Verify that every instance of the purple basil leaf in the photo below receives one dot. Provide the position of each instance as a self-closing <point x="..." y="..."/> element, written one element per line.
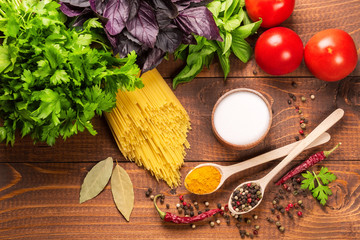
<point x="144" y="26"/>
<point x="125" y="44"/>
<point x="183" y="4"/>
<point x="78" y="3"/>
<point x="153" y="59"/>
<point x="83" y="17"/>
<point x="188" y="39"/>
<point x="117" y="11"/>
<point x="134" y="7"/>
<point x="169" y="39"/>
<point x="200" y="21"/>
<point x="162" y="19"/>
<point x="127" y="34"/>
<point x="167" y="7"/>
<point x="69" y="10"/>
<point x="98" y="6"/>
<point x="113" y="42"/>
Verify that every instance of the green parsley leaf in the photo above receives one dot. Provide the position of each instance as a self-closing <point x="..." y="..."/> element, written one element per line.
<point x="321" y="191"/>
<point x="325" y="176"/>
<point x="54" y="80"/>
<point x="308" y="182"/>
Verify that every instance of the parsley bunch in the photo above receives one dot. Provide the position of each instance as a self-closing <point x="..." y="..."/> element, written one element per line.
<point x="52" y="82"/>
<point x="321" y="192"/>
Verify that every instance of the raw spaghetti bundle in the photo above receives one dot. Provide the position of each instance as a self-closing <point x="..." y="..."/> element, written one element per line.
<point x="150" y="127"/>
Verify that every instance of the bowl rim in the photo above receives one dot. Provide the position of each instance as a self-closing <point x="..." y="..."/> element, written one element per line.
<point x="240" y="146"/>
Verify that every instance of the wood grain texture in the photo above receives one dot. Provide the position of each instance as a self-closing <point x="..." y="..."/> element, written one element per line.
<point x="198" y="98"/>
<point x="28" y="208"/>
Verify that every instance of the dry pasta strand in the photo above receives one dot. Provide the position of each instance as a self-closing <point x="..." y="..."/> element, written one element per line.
<point x="150" y="127"/>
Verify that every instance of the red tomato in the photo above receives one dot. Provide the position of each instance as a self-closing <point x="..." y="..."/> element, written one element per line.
<point x="331" y="55"/>
<point x="279" y="51"/>
<point x="272" y="12"/>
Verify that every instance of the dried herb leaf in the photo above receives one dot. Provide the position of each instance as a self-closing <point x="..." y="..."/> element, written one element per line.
<point x="122" y="191"/>
<point x="96" y="179"/>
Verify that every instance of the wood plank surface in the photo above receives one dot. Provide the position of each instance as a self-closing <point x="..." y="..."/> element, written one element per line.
<point x="198" y="98"/>
<point x="31" y="210"/>
<point x="39" y="185"/>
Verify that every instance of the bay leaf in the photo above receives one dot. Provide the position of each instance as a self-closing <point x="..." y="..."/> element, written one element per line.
<point x="122" y="191"/>
<point x="96" y="179"/>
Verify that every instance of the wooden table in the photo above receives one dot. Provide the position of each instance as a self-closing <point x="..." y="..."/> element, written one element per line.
<point x="39" y="185"/>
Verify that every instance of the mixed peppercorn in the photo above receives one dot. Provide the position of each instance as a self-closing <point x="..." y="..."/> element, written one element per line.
<point x="246" y="197"/>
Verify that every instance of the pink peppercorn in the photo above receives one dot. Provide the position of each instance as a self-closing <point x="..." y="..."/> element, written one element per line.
<point x="249" y="200"/>
<point x="287" y="209"/>
<point x="249" y="184"/>
<point x="301" y="132"/>
<point x="290" y="205"/>
<point x="181" y="197"/>
<point x="184" y="203"/>
<point x="299" y="213"/>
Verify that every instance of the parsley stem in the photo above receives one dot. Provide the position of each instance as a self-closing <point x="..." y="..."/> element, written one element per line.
<point x="317" y="179"/>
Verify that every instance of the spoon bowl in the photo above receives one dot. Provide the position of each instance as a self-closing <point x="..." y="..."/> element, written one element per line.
<point x="264" y="181"/>
<point x="227" y="171"/>
<point x="232" y="210"/>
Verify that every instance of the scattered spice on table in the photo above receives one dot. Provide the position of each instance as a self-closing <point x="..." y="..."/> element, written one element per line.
<point x="203" y="180"/>
<point x="312" y="160"/>
<point x="169" y="217"/>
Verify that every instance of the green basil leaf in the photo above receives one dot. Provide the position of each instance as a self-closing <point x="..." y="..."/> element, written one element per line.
<point x="246" y="20"/>
<point x="224" y="62"/>
<point x="241" y="15"/>
<point x="242" y="3"/>
<point x="181" y="52"/>
<point x="189" y="72"/>
<point x="214" y="7"/>
<point x="247" y="30"/>
<point x="229" y="8"/>
<point x="231" y="24"/>
<point x="227" y="41"/>
<point x="241" y="49"/>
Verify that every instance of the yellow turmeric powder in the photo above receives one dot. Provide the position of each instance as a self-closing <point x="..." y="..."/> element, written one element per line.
<point x="203" y="180"/>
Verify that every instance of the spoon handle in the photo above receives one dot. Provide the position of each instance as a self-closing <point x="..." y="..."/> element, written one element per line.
<point x="270" y="156"/>
<point x="321" y="128"/>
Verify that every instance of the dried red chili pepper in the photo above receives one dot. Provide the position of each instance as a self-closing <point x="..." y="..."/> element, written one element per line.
<point x="312" y="160"/>
<point x="169" y="217"/>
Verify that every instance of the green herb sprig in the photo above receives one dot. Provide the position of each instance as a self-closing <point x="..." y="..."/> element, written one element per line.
<point x="321" y="191"/>
<point x="52" y="81"/>
<point x="234" y="25"/>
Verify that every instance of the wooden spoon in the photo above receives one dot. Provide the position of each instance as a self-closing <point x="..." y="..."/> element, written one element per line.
<point x="263" y="182"/>
<point x="227" y="171"/>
